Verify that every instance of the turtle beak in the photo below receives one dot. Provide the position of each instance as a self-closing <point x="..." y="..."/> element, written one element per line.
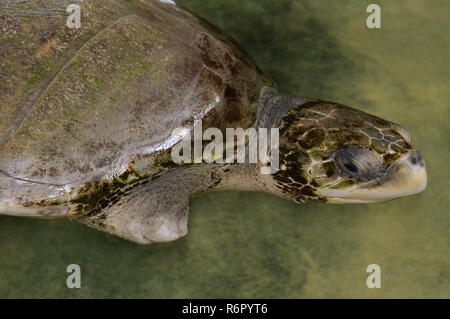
<point x="407" y="176"/>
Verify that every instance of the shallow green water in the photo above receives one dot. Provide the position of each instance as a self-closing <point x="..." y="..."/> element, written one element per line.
<point x="255" y="245"/>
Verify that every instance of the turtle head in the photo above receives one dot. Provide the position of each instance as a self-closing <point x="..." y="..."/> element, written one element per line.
<point x="334" y="153"/>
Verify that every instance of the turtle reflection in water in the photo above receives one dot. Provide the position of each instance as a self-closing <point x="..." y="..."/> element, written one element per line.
<point x="86" y="117"/>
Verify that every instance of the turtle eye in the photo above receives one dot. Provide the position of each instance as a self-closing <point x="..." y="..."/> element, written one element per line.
<point x="358" y="163"/>
<point x="351" y="167"/>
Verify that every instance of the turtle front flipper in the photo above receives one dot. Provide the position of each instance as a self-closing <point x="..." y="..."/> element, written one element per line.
<point x="155" y="209"/>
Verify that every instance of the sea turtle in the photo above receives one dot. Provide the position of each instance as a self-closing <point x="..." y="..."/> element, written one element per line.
<point x="87" y="116"/>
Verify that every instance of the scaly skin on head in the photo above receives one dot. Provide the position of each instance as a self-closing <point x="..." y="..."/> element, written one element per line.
<point x="330" y="152"/>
